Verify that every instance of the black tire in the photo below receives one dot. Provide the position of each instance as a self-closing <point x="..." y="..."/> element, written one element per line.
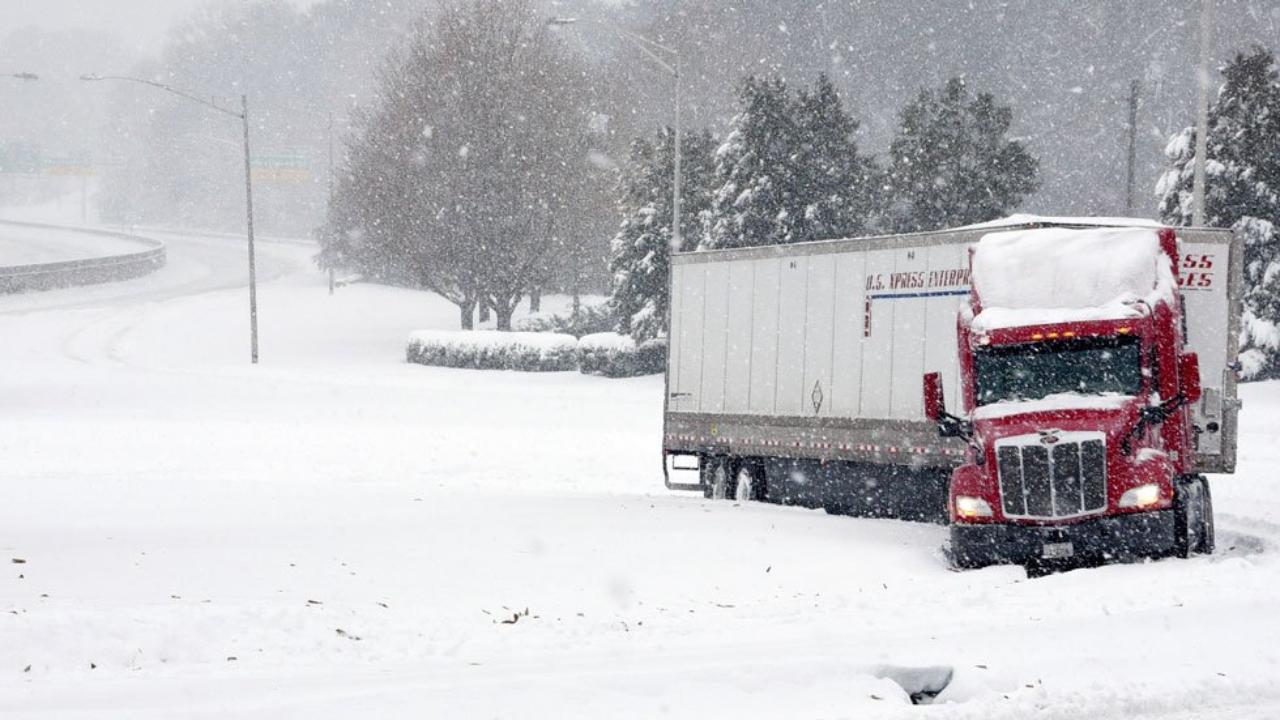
<point x="718" y="478"/>
<point x="1207" y="541"/>
<point x="1192" y="517"/>
<point x="749" y="483"/>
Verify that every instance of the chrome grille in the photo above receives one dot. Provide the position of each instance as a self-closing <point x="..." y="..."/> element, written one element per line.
<point x="1052" y="480"/>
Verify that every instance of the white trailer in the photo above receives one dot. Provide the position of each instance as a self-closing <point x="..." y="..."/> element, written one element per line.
<point x="815" y="352"/>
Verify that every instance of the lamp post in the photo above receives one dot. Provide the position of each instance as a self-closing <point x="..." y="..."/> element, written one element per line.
<point x="670" y="64"/>
<point x="1202" y="112"/>
<point x="243" y="115"/>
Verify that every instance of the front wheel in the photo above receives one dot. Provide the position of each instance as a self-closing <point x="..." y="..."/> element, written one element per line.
<point x="1192" y="517"/>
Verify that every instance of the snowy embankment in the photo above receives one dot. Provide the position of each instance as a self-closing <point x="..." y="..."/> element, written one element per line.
<point x="337" y="533"/>
<point x="41" y="258"/>
<point x="22" y="244"/>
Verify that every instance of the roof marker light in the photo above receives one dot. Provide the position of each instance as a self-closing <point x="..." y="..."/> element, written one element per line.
<point x="1037" y="336"/>
<point x="1123" y="330"/>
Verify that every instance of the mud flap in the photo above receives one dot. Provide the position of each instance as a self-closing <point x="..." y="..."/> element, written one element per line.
<point x="681" y="465"/>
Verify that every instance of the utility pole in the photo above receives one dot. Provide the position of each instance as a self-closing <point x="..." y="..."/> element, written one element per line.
<point x="1130" y="178"/>
<point x="1202" y="111"/>
<point x="253" y="268"/>
<point x="329" y="138"/>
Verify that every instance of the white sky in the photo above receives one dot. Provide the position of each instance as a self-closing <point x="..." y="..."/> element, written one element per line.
<point x="140" y="24"/>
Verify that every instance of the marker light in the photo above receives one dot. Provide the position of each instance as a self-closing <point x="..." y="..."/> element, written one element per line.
<point x="1123" y="330"/>
<point x="1141" y="496"/>
<point x="972" y="507"/>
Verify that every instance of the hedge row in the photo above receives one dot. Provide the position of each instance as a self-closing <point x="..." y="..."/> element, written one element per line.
<point x="493" y="350"/>
<point x="590" y="319"/>
<point x="606" y="354"/>
<point x="614" y="355"/>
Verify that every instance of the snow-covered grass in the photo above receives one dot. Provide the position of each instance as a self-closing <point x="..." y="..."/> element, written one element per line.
<point x="336" y="533"/>
<point x="493" y="350"/>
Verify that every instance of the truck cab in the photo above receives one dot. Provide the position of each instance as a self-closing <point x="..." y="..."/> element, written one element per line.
<point x="1076" y="388"/>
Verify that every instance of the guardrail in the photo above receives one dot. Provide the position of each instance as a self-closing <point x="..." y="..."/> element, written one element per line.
<point x="89" y="271"/>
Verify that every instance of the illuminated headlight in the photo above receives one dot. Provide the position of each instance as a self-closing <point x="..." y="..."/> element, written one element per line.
<point x="1141" y="496"/>
<point x="972" y="507"/>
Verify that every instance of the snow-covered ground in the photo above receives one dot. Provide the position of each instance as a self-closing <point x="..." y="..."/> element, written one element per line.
<point x="336" y="534"/>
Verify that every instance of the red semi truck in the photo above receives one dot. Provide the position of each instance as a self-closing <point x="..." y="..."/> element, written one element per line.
<point x="1094" y="362"/>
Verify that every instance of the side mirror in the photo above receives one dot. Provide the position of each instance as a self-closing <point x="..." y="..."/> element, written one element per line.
<point x="934" y="402"/>
<point x="1189" y="376"/>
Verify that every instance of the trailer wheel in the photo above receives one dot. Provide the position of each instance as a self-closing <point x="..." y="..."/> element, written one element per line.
<point x="718" y="484"/>
<point x="749" y="484"/>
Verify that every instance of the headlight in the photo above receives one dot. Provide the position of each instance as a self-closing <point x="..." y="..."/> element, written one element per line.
<point x="1141" y="496"/>
<point x="972" y="507"/>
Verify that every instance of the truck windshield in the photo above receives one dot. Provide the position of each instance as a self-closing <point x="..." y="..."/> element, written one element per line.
<point x="1032" y="371"/>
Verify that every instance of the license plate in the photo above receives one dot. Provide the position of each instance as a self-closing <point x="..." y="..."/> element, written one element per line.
<point x="1055" y="551"/>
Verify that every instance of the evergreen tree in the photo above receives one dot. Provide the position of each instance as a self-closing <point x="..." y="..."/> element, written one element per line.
<point x="789" y="170"/>
<point x="836" y="185"/>
<point x="640" y="260"/>
<point x="952" y="163"/>
<point x="1242" y="191"/>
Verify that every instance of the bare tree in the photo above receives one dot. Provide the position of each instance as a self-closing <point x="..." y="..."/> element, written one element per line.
<point x="459" y="174"/>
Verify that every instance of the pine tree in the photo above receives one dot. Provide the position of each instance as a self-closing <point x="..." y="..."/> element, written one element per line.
<point x="749" y="204"/>
<point x="1242" y="191"/>
<point x="640" y="259"/>
<point x="789" y="170"/>
<point x="952" y="163"/>
<point x="834" y="183"/>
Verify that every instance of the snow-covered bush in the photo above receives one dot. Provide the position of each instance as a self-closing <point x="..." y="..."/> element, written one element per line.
<point x="590" y="319"/>
<point x="613" y="355"/>
<point x="492" y="350"/>
<point x="608" y="354"/>
<point x="651" y="357"/>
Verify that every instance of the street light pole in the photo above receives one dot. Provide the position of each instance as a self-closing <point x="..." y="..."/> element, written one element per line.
<point x="677" y="232"/>
<point x="1202" y="113"/>
<point x="672" y="66"/>
<point x="243" y="115"/>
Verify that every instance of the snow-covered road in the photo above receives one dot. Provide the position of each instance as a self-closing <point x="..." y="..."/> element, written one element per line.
<point x="338" y="534"/>
<point x="28" y="245"/>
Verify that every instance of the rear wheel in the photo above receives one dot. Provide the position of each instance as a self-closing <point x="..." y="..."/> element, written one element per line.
<point x="749" y="484"/>
<point x="718" y="480"/>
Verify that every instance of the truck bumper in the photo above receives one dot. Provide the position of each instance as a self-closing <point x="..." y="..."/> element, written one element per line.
<point x="1111" y="537"/>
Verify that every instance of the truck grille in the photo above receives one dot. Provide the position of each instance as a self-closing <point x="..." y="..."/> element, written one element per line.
<point x="1058" y="480"/>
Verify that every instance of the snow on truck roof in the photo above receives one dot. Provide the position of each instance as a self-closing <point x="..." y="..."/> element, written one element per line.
<point x="1018" y="219"/>
<point x="1055" y="275"/>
